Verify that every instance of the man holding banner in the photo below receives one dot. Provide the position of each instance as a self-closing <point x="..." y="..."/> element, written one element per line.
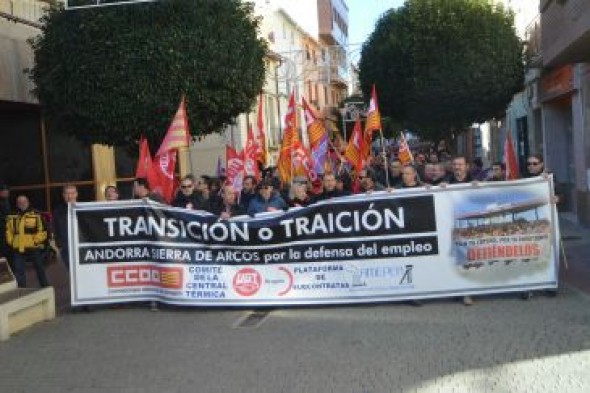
<point x="267" y="199"/>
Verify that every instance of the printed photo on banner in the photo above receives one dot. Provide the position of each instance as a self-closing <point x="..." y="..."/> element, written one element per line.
<point x="506" y="232"/>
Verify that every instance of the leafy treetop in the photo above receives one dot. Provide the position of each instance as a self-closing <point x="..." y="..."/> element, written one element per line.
<point x="441" y="65"/>
<point x="109" y="75"/>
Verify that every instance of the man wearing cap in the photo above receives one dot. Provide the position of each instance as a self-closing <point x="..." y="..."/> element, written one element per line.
<point x="267" y="199"/>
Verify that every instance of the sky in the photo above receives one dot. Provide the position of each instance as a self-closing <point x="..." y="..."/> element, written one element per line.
<point x="362" y="16"/>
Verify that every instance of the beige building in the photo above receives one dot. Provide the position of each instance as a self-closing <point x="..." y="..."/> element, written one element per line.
<point x="307" y="41"/>
<point x="35" y="161"/>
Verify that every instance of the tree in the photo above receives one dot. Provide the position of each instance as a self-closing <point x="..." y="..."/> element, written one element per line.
<point x="440" y="65"/>
<point x="108" y="75"/>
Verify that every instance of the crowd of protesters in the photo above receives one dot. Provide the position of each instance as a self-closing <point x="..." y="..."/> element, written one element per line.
<point x="518" y="227"/>
<point x="27" y="234"/>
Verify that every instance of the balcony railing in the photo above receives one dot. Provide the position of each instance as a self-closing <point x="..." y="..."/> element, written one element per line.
<point x="533" y="47"/>
<point x="27" y="12"/>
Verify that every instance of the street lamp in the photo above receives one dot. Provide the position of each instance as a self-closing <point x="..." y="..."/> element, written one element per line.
<point x="350" y="112"/>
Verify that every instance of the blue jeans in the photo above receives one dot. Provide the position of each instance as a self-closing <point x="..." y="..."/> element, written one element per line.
<point x="20" y="260"/>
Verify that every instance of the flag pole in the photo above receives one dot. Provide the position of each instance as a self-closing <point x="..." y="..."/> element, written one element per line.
<point x="292" y="173"/>
<point x="338" y="154"/>
<point x="384" y="158"/>
<point x="190" y="158"/>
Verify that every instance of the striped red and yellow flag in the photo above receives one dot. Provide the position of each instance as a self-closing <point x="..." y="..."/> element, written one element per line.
<point x="290" y="137"/>
<point x="178" y="134"/>
<point x="373" y="116"/>
<point x="318" y="138"/>
<point x="170" y="278"/>
<point x="315" y="128"/>
<point x="353" y="153"/>
<point x="404" y="153"/>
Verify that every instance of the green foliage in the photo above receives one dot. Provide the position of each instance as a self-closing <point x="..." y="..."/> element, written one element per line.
<point x="443" y="64"/>
<point x="108" y="75"/>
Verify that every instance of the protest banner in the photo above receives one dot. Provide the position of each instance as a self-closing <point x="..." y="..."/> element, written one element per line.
<point x="385" y="246"/>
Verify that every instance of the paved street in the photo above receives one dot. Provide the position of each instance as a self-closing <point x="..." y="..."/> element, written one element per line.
<point x="502" y="344"/>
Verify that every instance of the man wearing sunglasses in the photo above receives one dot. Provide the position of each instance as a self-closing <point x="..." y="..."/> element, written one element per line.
<point x="534" y="166"/>
<point x="187" y="198"/>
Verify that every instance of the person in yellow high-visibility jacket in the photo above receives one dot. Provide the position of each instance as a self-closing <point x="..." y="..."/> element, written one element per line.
<point x="26" y="234"/>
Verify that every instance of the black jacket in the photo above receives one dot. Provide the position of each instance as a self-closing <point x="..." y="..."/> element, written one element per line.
<point x="59" y="225"/>
<point x="328" y="195"/>
<point x="454" y="180"/>
<point x="184" y="201"/>
<point x="234" y="210"/>
<point x="4" y="212"/>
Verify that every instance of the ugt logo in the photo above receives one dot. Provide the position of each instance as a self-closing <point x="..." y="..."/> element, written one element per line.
<point x="247" y="282"/>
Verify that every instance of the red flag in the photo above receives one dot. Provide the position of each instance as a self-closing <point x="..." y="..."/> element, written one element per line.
<point x="251" y="155"/>
<point x="144" y="163"/>
<point x="510" y="159"/>
<point x="234" y="167"/>
<point x="162" y="174"/>
<point x="161" y="177"/>
<point x="404" y="154"/>
<point x="261" y="136"/>
<point x="178" y="134"/>
<point x="303" y="162"/>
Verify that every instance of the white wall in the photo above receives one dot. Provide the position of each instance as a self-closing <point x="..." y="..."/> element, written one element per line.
<point x="15" y="56"/>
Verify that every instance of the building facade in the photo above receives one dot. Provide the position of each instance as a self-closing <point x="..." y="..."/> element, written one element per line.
<point x="564" y="96"/>
<point x="35" y="161"/>
<point x="308" y="41"/>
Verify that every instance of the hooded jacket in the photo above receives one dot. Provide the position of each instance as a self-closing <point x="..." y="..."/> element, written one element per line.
<point x="25" y="230"/>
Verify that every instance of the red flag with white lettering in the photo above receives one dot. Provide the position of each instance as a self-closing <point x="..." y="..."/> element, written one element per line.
<point x="234" y="167"/>
<point x="251" y="156"/>
<point x="161" y="177"/>
<point x="303" y="162"/>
